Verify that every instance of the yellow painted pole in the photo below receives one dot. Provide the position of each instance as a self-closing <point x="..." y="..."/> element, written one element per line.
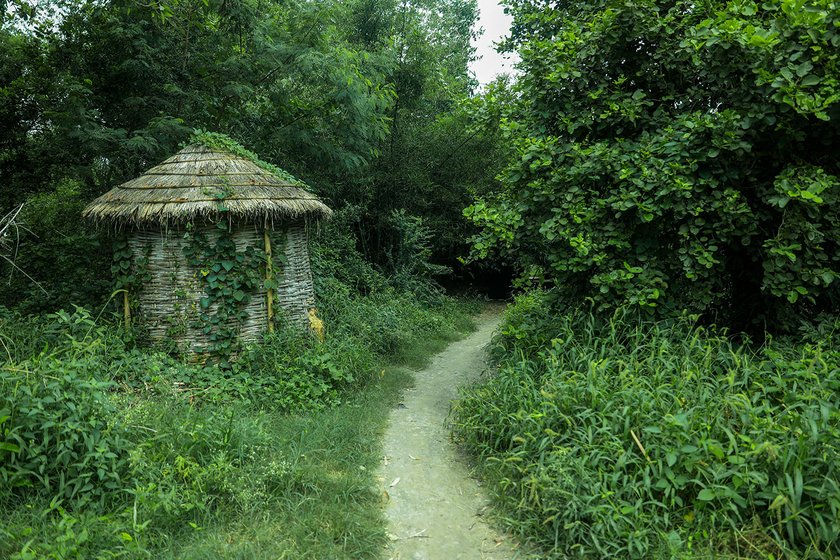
<point x="269" y="275"/>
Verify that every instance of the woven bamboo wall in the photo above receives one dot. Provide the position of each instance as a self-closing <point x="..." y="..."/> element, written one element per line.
<point x="168" y="302"/>
<point x="296" y="292"/>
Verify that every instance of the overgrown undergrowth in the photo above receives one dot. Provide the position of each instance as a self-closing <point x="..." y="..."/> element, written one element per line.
<point x="623" y="438"/>
<point x="109" y="451"/>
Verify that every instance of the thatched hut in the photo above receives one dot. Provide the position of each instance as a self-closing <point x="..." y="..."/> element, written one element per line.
<point x="174" y="217"/>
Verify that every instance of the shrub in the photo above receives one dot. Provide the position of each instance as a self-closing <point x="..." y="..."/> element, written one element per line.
<point x="674" y="155"/>
<point x="59" y="251"/>
<point x="57" y="420"/>
<point x="625" y="438"/>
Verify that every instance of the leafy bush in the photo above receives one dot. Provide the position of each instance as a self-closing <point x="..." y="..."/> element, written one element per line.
<point x="57" y="420"/>
<point x="674" y="155"/>
<point x="622" y="438"/>
<point x="409" y="260"/>
<point x="338" y="268"/>
<point x="58" y="251"/>
<point x="292" y="371"/>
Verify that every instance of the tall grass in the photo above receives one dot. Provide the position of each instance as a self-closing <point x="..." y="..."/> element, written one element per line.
<point x="110" y="451"/>
<point x="624" y="438"/>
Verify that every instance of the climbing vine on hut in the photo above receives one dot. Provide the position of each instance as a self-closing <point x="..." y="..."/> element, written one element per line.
<point x="130" y="273"/>
<point x="229" y="277"/>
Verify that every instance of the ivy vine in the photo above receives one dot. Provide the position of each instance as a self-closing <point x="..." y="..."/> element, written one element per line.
<point x="229" y="277"/>
<point x="130" y="272"/>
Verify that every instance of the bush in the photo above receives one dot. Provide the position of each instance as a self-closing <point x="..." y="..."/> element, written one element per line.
<point x="632" y="439"/>
<point x="58" y="430"/>
<point x="60" y="252"/>
<point x="672" y="155"/>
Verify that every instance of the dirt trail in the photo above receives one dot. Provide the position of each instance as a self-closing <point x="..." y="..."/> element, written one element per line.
<point x="435" y="508"/>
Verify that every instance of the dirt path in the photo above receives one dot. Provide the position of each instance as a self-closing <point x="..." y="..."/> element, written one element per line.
<point x="435" y="508"/>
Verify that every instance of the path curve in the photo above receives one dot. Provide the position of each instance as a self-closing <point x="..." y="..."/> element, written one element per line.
<point x="434" y="508"/>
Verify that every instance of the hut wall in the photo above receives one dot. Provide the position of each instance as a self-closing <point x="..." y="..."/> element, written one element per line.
<point x="168" y="302"/>
<point x="295" y="291"/>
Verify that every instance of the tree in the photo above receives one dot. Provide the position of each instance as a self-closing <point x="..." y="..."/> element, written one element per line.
<point x="94" y="92"/>
<point x="359" y="98"/>
<point x="675" y="155"/>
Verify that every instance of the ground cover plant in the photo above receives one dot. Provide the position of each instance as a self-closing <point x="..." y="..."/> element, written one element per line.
<point x="622" y="437"/>
<point x="113" y="451"/>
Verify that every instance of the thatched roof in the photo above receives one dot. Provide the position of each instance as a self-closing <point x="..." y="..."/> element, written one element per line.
<point x="193" y="183"/>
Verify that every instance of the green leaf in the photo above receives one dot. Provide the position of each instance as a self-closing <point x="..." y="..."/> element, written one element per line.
<point x="804" y="68"/>
<point x="716" y="450"/>
<point x="706" y="495"/>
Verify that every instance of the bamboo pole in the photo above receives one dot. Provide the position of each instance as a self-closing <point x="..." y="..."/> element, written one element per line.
<point x="269" y="275"/>
<point x="126" y="310"/>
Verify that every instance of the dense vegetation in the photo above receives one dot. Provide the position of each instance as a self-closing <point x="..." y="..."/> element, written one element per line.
<point x="619" y="437"/>
<point x="675" y="155"/>
<point x="668" y="385"/>
<point x="361" y="99"/>
<point x="111" y="449"/>
<point x="662" y="176"/>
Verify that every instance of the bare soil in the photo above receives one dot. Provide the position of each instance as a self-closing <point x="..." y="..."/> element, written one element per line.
<point x="435" y="509"/>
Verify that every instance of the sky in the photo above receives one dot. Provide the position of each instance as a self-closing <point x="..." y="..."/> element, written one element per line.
<point x="496" y="25"/>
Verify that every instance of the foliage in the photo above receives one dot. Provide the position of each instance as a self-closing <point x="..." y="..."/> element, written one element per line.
<point x="190" y="461"/>
<point x="59" y="252"/>
<point x="626" y="438"/>
<point x="338" y="268"/>
<point x="358" y="98"/>
<point x="223" y="142"/>
<point x="409" y="259"/>
<point x="56" y="417"/>
<point x="674" y="155"/>
<point x="230" y="277"/>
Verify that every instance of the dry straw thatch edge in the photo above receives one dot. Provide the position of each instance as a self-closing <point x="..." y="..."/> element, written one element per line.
<point x="145" y="201"/>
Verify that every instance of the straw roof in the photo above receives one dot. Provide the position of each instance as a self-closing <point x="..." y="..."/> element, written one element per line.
<point x="194" y="182"/>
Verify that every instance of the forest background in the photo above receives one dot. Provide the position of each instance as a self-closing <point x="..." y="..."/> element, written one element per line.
<point x="661" y="180"/>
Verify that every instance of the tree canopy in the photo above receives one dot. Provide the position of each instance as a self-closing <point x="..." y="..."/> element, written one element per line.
<point x="674" y="155"/>
<point x="360" y="99"/>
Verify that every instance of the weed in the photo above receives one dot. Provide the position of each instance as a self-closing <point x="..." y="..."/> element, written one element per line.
<point x="623" y="438"/>
<point x="110" y="451"/>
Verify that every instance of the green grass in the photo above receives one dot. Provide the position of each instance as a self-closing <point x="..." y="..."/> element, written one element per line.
<point x="311" y="493"/>
<point x="621" y="437"/>
<point x="211" y="464"/>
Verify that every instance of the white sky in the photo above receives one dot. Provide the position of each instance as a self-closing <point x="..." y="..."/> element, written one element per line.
<point x="496" y="25"/>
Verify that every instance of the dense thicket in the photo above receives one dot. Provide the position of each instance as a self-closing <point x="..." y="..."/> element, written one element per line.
<point x="672" y="169"/>
<point x="675" y="155"/>
<point x="615" y="437"/>
<point x="360" y="99"/>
